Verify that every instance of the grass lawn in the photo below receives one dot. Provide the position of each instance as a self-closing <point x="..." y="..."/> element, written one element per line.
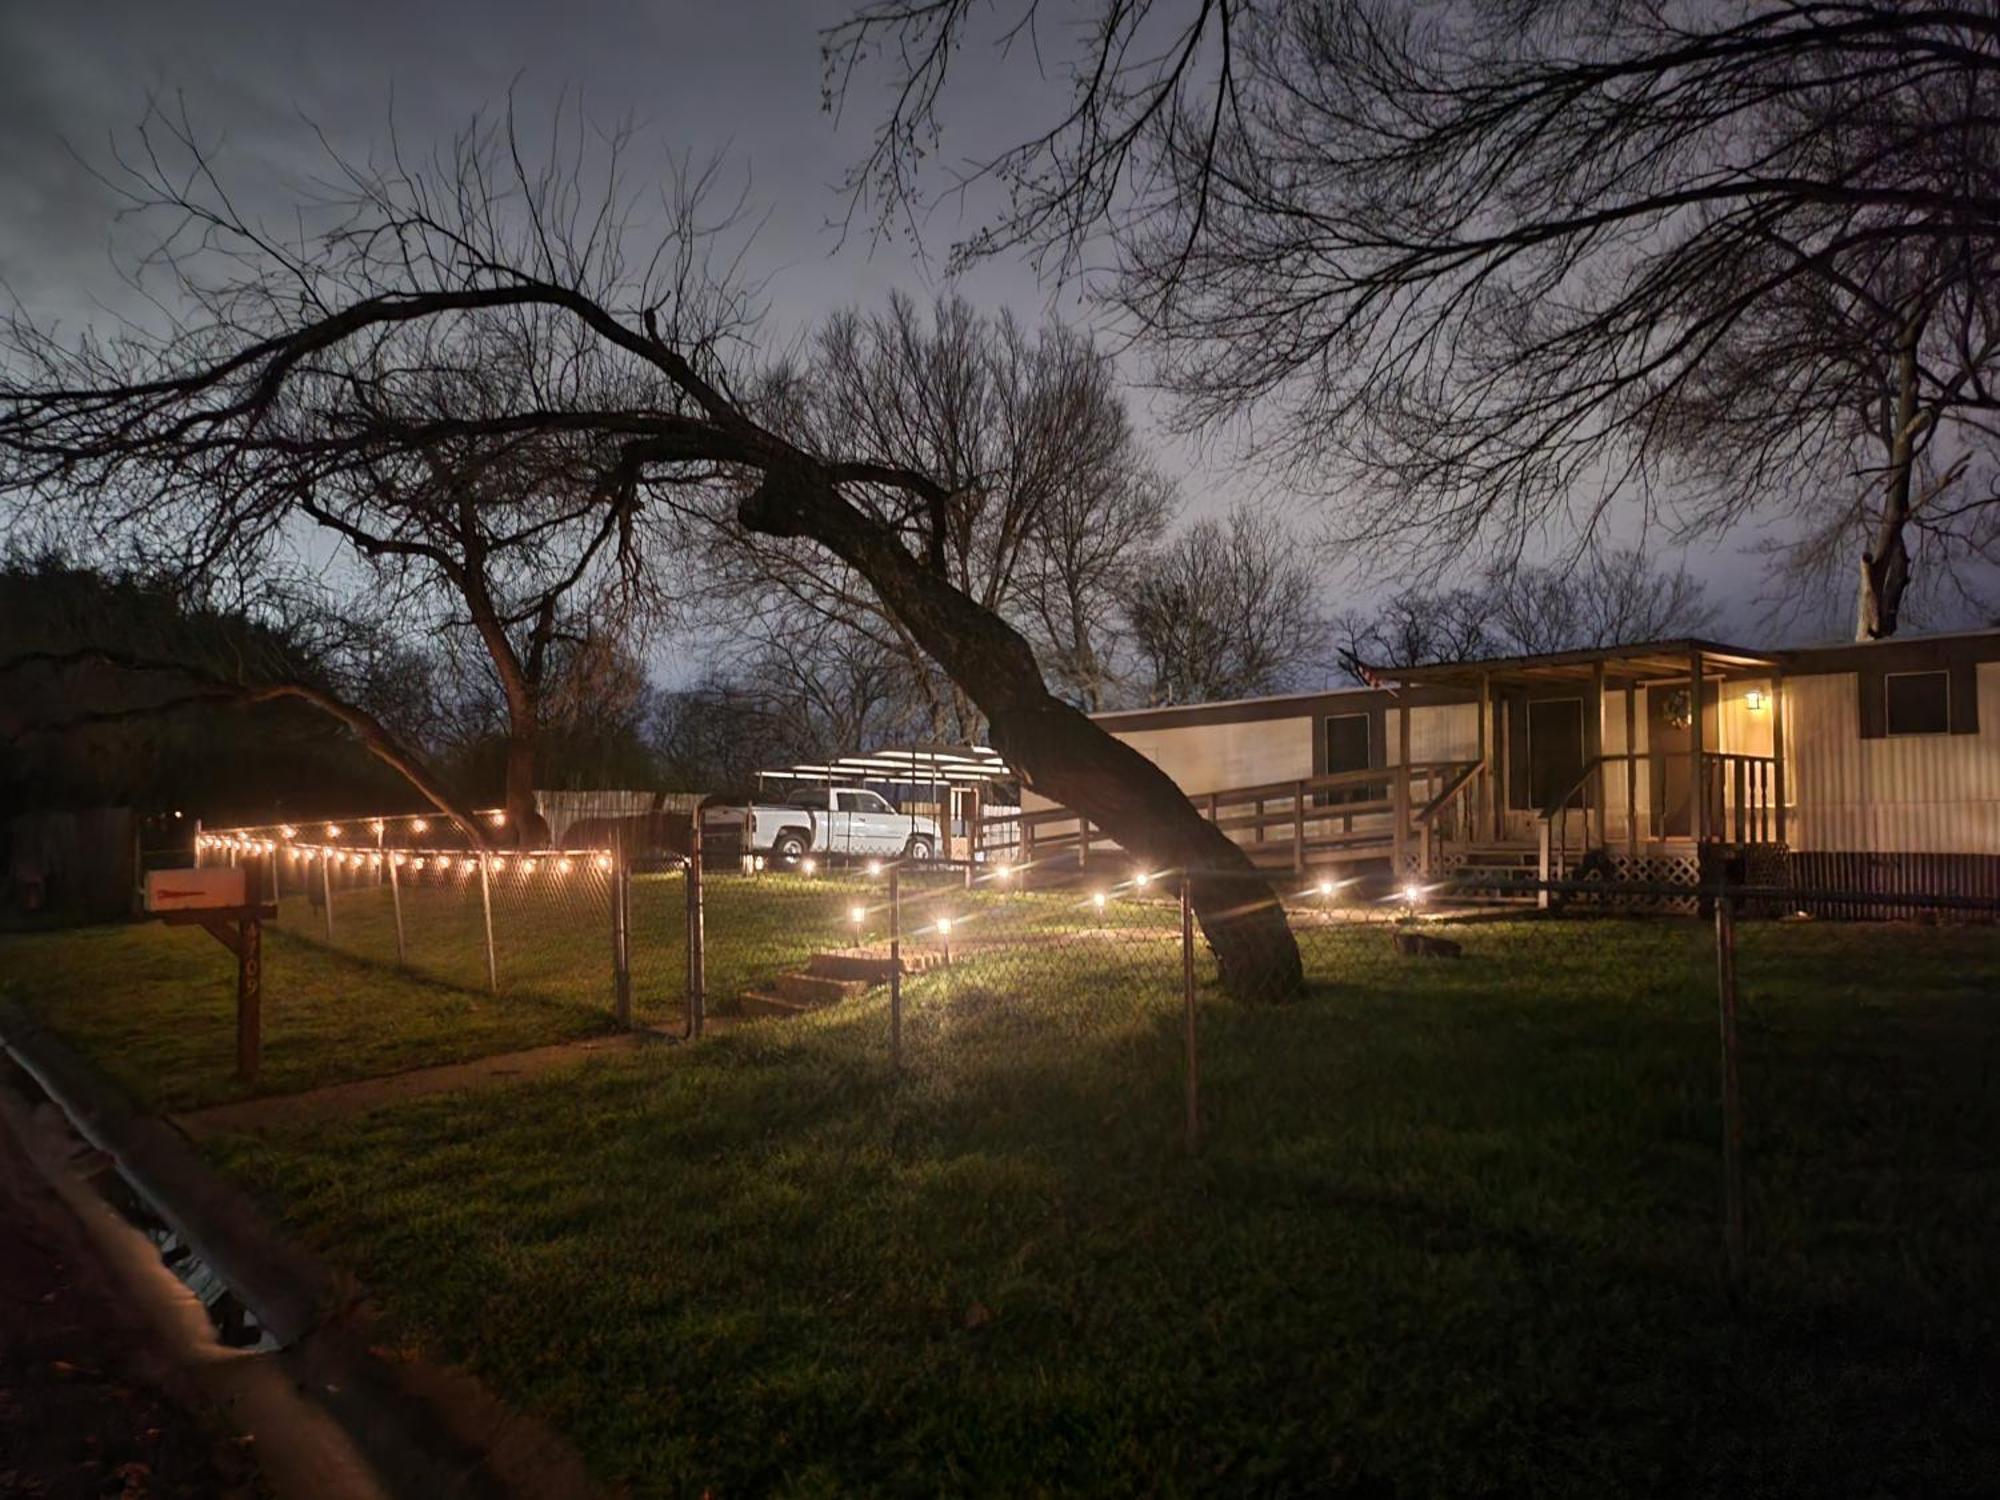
<point x="1453" y="1231"/>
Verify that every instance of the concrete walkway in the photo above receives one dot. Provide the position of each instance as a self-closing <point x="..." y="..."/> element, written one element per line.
<point x="343" y="1100"/>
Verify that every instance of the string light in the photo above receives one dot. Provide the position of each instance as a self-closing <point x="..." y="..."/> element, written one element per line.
<point x="333" y="830"/>
<point x="499" y="865"/>
<point x="375" y="827"/>
<point x="527" y="867"/>
<point x="289" y="832"/>
<point x="417" y="864"/>
<point x="603" y="861"/>
<point x="465" y="866"/>
<point x="563" y="867"/>
<point x="419" y="825"/>
<point x="499" y="819"/>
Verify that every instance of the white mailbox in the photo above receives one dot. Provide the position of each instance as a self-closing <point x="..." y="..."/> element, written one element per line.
<point x="195" y="890"/>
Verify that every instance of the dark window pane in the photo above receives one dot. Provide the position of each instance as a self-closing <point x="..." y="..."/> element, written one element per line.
<point x="1919" y="702"/>
<point x="1347" y="750"/>
<point x="1555" y="749"/>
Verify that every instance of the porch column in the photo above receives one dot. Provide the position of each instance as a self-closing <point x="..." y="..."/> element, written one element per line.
<point x="1485" y="797"/>
<point x="1778" y="748"/>
<point x="1401" y="799"/>
<point x="1632" y="769"/>
<point x="1596" y="751"/>
<point x="1697" y="764"/>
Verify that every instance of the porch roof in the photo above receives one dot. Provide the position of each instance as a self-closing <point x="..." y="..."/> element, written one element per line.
<point x="1644" y="662"/>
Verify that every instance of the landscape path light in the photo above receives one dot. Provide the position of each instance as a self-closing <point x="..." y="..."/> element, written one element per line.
<point x="944" y="935"/>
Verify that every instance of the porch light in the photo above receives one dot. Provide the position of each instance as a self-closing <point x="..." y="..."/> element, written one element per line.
<point x="1756" y="700"/>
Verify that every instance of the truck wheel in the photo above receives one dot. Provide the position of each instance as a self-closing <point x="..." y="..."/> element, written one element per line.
<point x="788" y="848"/>
<point x="918" y="849"/>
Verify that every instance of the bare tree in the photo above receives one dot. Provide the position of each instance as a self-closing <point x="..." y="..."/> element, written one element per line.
<point x="1048" y="495"/>
<point x="1607" y="599"/>
<point x="1517" y="260"/>
<point x="1228" y="610"/>
<point x="222" y="422"/>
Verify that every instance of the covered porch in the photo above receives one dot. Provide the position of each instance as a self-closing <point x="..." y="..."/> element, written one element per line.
<point x="1626" y="754"/>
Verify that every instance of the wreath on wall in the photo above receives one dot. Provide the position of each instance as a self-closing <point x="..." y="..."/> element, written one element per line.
<point x="1679" y="709"/>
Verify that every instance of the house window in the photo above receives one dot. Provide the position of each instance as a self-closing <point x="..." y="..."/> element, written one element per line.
<point x="1346" y="750"/>
<point x="1918" y="702"/>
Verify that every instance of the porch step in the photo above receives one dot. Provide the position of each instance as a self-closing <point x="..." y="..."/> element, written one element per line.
<point x="870" y="965"/>
<point x="818" y="989"/>
<point x="759" y="1003"/>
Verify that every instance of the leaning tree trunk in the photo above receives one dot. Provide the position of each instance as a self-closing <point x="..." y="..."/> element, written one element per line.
<point x="526" y="827"/>
<point x="1058" y="752"/>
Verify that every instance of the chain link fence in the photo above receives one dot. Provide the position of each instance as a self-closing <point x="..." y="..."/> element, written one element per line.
<point x="934" y="959"/>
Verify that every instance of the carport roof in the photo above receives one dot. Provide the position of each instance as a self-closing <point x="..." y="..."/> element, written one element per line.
<point x="1635" y="663"/>
<point x="956" y="763"/>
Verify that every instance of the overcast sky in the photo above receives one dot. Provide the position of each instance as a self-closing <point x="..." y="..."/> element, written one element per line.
<point x="736" y="76"/>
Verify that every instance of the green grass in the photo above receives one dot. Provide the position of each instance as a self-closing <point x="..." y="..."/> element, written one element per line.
<point x="1453" y="1230"/>
<point x="155" y="1008"/>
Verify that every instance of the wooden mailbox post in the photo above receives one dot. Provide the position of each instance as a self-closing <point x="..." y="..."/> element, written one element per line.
<point x="217" y="901"/>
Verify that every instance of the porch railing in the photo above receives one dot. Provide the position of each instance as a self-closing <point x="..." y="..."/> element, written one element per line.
<point x="1345" y="815"/>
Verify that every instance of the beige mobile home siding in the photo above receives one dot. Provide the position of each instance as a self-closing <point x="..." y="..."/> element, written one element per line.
<point x="1438" y="732"/>
<point x="1215" y="757"/>
<point x="1927" y="794"/>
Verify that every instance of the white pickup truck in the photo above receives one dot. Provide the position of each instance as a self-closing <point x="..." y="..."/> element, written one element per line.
<point x="832" y="821"/>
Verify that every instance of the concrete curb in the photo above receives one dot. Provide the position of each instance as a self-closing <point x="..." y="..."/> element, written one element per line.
<point x="429" y="1430"/>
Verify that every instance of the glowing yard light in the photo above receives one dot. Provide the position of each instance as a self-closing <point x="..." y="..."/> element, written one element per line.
<point x="857" y="915"/>
<point x="874" y="867"/>
<point x="1002" y="871"/>
<point x="944" y="926"/>
<point x="1142" y="879"/>
<point x="1413" y="894"/>
<point x="1097" y="899"/>
<point x="807" y="866"/>
<point x="1326" y="887"/>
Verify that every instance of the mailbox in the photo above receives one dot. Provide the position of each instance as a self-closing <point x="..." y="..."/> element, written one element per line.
<point x="196" y="890"/>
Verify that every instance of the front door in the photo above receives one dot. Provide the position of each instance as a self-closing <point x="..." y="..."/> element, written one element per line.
<point x="1670" y="737"/>
<point x="1555" y="749"/>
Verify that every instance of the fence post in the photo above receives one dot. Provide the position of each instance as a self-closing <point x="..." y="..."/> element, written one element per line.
<point x="697" y="964"/>
<point x="249" y="997"/>
<point x="326" y="889"/>
<point x="895" y="970"/>
<point x="396" y="905"/>
<point x="1187" y="1006"/>
<point x="486" y="914"/>
<point x="621" y="938"/>
<point x="1732" y="1098"/>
